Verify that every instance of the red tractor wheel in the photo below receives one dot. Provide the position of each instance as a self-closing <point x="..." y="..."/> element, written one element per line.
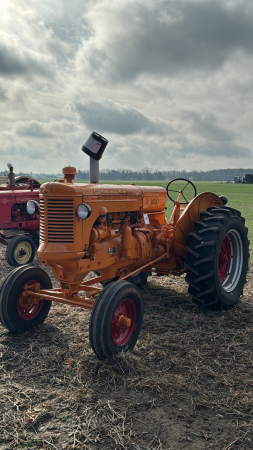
<point x="116" y="319"/>
<point x="20" y="251"/>
<point x="217" y="261"/>
<point x="16" y="313"/>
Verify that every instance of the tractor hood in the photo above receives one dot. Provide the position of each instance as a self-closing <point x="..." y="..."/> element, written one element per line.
<point x="146" y="196"/>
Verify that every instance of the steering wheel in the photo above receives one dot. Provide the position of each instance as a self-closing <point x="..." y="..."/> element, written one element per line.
<point x="187" y="186"/>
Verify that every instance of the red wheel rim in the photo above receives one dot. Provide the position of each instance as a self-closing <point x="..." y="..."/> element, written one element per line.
<point x="30" y="311"/>
<point x="224" y="259"/>
<point x="121" y="335"/>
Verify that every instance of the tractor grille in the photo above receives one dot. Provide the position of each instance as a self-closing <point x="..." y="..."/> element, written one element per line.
<point x="57" y="220"/>
<point x="42" y="220"/>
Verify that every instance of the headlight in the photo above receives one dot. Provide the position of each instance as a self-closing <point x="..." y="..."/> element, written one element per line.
<point x="83" y="211"/>
<point x="32" y="207"/>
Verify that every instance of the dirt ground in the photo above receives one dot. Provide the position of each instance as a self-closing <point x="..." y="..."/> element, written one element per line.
<point x="188" y="384"/>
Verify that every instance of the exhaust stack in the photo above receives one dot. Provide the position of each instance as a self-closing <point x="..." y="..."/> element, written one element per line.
<point x="11" y="176"/>
<point x="94" y="147"/>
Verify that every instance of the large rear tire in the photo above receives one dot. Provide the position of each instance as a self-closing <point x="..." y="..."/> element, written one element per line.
<point x="16" y="316"/>
<point x="116" y="319"/>
<point x="217" y="261"/>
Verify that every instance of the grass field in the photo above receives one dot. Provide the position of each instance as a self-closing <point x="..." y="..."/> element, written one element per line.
<point x="240" y="196"/>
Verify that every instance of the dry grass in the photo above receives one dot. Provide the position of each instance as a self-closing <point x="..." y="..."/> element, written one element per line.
<point x="187" y="385"/>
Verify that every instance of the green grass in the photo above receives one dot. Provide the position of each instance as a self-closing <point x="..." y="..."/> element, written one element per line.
<point x="240" y="197"/>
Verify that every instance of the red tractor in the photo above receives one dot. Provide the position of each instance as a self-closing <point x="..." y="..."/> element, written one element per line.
<point x="19" y="229"/>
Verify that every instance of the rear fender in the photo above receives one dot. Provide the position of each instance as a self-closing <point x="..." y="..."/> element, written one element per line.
<point x="185" y="223"/>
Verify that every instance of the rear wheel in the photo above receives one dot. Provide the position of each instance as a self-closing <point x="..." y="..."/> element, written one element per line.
<point x="116" y="319"/>
<point x="20" y="251"/>
<point x="217" y="260"/>
<point x="17" y="313"/>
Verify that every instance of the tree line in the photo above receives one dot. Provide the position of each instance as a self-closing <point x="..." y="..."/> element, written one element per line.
<point x="150" y="174"/>
<point x="160" y="175"/>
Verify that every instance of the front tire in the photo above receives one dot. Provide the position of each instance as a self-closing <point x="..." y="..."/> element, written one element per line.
<point x="20" y="251"/>
<point x="16" y="316"/>
<point x="217" y="261"/>
<point x="116" y="319"/>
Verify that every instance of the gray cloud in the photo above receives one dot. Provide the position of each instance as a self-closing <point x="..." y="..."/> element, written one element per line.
<point x="108" y="116"/>
<point x="19" y="62"/>
<point x="3" y="95"/>
<point x="206" y="126"/>
<point x="164" y="38"/>
<point x="33" y="129"/>
<point x="212" y="150"/>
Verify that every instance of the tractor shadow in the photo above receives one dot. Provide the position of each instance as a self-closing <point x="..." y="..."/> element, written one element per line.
<point x="168" y="309"/>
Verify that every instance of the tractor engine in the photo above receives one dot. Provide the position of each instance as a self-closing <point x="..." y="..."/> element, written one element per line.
<point x="126" y="235"/>
<point x="19" y="212"/>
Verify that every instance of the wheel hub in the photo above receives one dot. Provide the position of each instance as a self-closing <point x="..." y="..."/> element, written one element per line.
<point x="123" y="322"/>
<point x="231" y="260"/>
<point x="29" y="306"/>
<point x="224" y="259"/>
<point x="22" y="252"/>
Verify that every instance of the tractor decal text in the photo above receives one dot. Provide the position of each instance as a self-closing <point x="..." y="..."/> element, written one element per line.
<point x="109" y="191"/>
<point x="154" y="202"/>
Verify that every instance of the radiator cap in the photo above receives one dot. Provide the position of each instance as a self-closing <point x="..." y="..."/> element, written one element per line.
<point x="69" y="173"/>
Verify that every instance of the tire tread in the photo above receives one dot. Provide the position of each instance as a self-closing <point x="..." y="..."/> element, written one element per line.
<point x="201" y="262"/>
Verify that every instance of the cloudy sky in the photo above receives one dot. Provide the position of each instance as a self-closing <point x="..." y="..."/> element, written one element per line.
<point x="168" y="82"/>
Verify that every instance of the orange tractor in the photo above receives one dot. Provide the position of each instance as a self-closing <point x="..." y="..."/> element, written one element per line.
<point x="118" y="235"/>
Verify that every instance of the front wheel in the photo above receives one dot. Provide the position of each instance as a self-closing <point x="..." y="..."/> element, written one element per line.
<point x="116" y="319"/>
<point x="18" y="312"/>
<point x="217" y="261"/>
<point x="20" y="251"/>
